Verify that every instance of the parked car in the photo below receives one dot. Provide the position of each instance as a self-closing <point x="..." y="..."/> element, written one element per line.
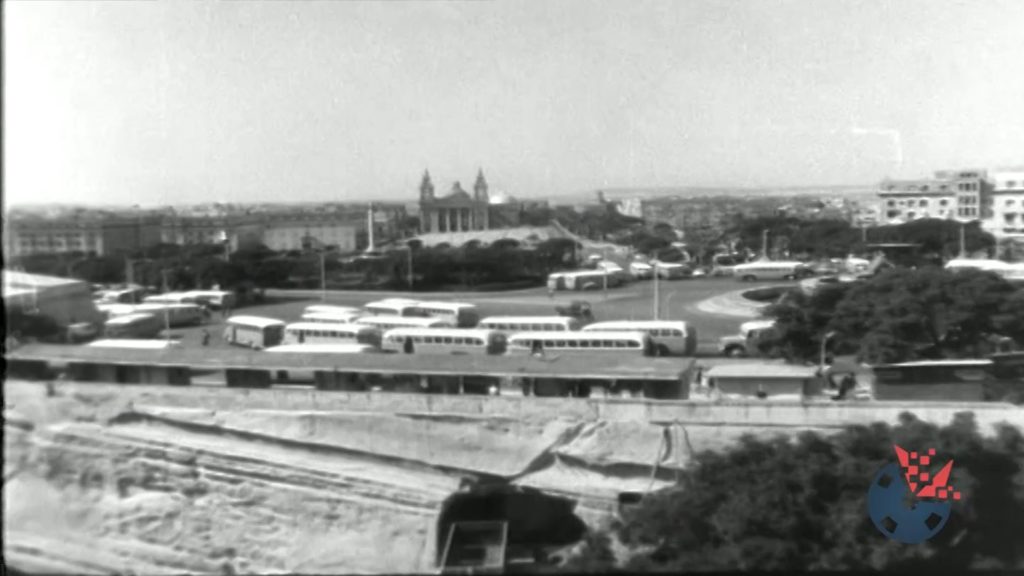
<point x="641" y="270"/>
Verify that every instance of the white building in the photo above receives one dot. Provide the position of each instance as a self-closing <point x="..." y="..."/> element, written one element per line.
<point x="1006" y="204"/>
<point x="951" y="194"/>
<point x="309" y="233"/>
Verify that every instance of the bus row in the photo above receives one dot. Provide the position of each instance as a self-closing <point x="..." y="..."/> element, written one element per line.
<point x="642" y="338"/>
<point x="213" y="299"/>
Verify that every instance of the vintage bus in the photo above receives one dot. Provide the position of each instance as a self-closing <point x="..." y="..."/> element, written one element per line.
<point x="212" y="299"/>
<point x="254" y="332"/>
<point x="177" y="314"/>
<point x="671" y="338"/>
<point x="462" y="315"/>
<point x="331" y="309"/>
<point x="625" y="343"/>
<point x="509" y="324"/>
<point x="590" y="279"/>
<point x="347" y="348"/>
<point x="768" y="270"/>
<point x="389" y="322"/>
<point x="332" y="317"/>
<point x="944" y="380"/>
<point x="139" y="326"/>
<point x="128" y="344"/>
<point x="394" y="307"/>
<point x="323" y="333"/>
<point x="169" y="298"/>
<point x="444" y="341"/>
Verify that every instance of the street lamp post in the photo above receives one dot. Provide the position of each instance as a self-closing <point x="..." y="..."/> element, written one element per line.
<point x="411" y="278"/>
<point x="323" y="276"/>
<point x="824" y="345"/>
<point x="657" y="275"/>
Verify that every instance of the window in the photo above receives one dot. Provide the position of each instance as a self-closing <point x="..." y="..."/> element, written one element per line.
<point x="922" y="203"/>
<point x="891" y="203"/>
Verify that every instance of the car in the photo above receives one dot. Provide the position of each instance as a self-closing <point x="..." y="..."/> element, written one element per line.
<point x="641" y="270"/>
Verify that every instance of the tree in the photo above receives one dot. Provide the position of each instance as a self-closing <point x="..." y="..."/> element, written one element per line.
<point x="902" y="315"/>
<point x="935" y="236"/>
<point x="800" y="504"/>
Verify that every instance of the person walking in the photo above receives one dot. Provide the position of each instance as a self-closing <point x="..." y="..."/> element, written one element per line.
<point x="206" y="337"/>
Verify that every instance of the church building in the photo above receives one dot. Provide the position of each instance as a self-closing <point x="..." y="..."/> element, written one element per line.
<point x="457" y="211"/>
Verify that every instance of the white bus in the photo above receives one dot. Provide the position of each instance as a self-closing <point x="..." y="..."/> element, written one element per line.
<point x="177" y="314"/>
<point x="332" y="317"/>
<point x="389" y="322"/>
<point x="323" y="333"/>
<point x="255" y="332"/>
<point x="115" y="310"/>
<point x="444" y="341"/>
<point x="394" y="307"/>
<point x="671" y="338"/>
<point x="349" y="348"/>
<point x="590" y="279"/>
<point x="169" y="298"/>
<point x="331" y="309"/>
<point x="462" y="315"/>
<point x="213" y="299"/>
<point x="133" y="326"/>
<point x="766" y="270"/>
<point x="625" y="343"/>
<point x="530" y="323"/>
<point x="133" y="344"/>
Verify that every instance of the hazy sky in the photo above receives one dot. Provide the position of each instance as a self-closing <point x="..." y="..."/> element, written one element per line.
<point x="176" y="102"/>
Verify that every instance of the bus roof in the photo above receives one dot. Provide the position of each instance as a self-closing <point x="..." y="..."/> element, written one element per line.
<point x="167" y="305"/>
<point x="417" y="331"/>
<point x="258" y="321"/>
<point x="761" y="370"/>
<point x="340" y="326"/>
<point x="640" y="324"/>
<point x="525" y="319"/>
<point x="399" y="302"/>
<point x="134" y="344"/>
<point x="974" y="363"/>
<point x="129" y="318"/>
<point x="568" y="366"/>
<point x="769" y="264"/>
<point x="441" y="304"/>
<point x="391" y="320"/>
<point x="595" y="335"/>
<point x="321" y="348"/>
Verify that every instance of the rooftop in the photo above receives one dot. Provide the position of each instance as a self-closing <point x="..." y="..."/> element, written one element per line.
<point x="763" y="371"/>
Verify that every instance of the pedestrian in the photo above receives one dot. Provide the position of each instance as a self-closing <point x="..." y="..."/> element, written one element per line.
<point x="206" y="337"/>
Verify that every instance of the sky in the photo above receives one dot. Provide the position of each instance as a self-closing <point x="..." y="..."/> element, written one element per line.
<point x="174" y="102"/>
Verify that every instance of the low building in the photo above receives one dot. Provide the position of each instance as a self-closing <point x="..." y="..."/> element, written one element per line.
<point x="64" y="300"/>
<point x="1006" y="204"/>
<point x="102" y="234"/>
<point x="310" y="232"/>
<point x="765" y="380"/>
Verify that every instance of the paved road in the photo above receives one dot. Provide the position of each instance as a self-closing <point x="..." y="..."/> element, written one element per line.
<point x="680" y="300"/>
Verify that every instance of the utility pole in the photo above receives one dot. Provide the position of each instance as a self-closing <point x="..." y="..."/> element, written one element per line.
<point x="409" y="248"/>
<point x="764" y="243"/>
<point x="323" y="276"/>
<point x="963" y="240"/>
<point x="657" y="274"/>
<point x="167" y="310"/>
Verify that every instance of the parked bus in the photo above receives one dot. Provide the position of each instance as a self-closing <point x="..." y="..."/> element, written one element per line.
<point x="129" y="344"/>
<point x="212" y="299"/>
<point x="168" y="298"/>
<point x="748" y="342"/>
<point x="331" y="309"/>
<point x="767" y="270"/>
<point x="444" y="341"/>
<point x="591" y="279"/>
<point x="254" y="331"/>
<point x="121" y="296"/>
<point x="332" y="317"/>
<point x="394" y="307"/>
<point x="177" y="314"/>
<point x="944" y="380"/>
<point x="627" y="343"/>
<point x="389" y="322"/>
<point x="462" y="315"/>
<point x="671" y="338"/>
<point x="140" y="325"/>
<point x="347" y="348"/>
<point x="509" y="324"/>
<point x="323" y="333"/>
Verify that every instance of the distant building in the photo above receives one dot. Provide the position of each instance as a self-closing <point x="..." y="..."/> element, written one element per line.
<point x="950" y="194"/>
<point x="310" y="232"/>
<point x="1006" y="204"/>
<point x="95" y="233"/>
<point x="459" y="211"/>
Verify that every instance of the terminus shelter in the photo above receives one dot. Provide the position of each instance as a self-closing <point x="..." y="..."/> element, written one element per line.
<point x="765" y="380"/>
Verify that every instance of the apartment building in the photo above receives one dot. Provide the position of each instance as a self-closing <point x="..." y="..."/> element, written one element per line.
<point x="1006" y="204"/>
<point x="310" y="232"/>
<point x="950" y="194"/>
<point x="101" y="234"/>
